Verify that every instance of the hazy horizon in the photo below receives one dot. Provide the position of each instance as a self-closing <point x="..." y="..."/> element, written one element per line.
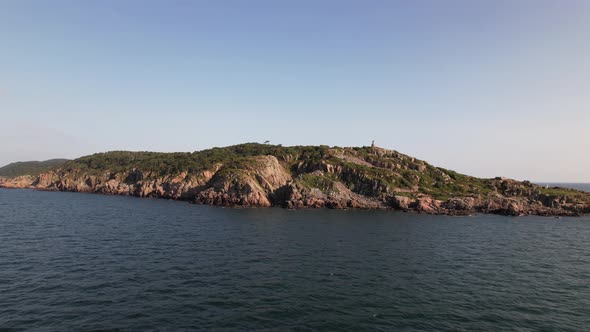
<point x="487" y="88"/>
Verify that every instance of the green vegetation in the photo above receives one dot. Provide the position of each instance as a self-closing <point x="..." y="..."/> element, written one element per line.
<point x="557" y="191"/>
<point x="176" y="162"/>
<point x="30" y="167"/>
<point x="323" y="183"/>
<point x="443" y="184"/>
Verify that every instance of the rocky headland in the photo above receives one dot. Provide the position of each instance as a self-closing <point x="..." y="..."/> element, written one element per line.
<point x="260" y="175"/>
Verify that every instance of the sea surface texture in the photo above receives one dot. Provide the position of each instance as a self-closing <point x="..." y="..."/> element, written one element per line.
<point x="84" y="262"/>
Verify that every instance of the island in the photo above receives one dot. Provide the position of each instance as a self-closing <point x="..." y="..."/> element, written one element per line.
<point x="296" y="177"/>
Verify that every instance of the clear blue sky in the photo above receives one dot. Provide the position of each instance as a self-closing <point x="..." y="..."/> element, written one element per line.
<point x="482" y="87"/>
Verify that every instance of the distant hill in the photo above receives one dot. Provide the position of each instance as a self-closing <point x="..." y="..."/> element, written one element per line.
<point x="30" y="167"/>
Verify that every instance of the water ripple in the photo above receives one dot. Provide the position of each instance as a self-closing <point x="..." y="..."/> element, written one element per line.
<point x="100" y="263"/>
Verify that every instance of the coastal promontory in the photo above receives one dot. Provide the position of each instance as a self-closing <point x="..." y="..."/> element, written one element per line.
<point x="263" y="175"/>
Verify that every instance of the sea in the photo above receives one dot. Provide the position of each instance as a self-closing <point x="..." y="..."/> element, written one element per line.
<point x="86" y="262"/>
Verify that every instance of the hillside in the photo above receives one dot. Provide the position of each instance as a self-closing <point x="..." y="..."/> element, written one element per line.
<point x="30" y="167"/>
<point x="303" y="176"/>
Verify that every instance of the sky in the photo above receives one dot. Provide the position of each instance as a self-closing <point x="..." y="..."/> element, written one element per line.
<point x="487" y="88"/>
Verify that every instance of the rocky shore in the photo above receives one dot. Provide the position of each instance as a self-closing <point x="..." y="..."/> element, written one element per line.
<point x="295" y="178"/>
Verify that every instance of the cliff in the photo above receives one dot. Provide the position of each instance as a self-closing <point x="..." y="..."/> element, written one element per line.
<point x="302" y="177"/>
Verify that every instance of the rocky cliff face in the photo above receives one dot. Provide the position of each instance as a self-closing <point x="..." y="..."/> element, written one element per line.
<point x="303" y="177"/>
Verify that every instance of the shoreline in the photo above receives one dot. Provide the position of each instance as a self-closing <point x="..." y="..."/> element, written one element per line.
<point x="453" y="213"/>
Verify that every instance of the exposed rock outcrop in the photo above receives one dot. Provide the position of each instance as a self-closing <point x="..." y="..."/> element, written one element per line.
<point x="23" y="181"/>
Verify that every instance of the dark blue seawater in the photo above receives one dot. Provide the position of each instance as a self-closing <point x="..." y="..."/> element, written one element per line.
<point x="81" y="262"/>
